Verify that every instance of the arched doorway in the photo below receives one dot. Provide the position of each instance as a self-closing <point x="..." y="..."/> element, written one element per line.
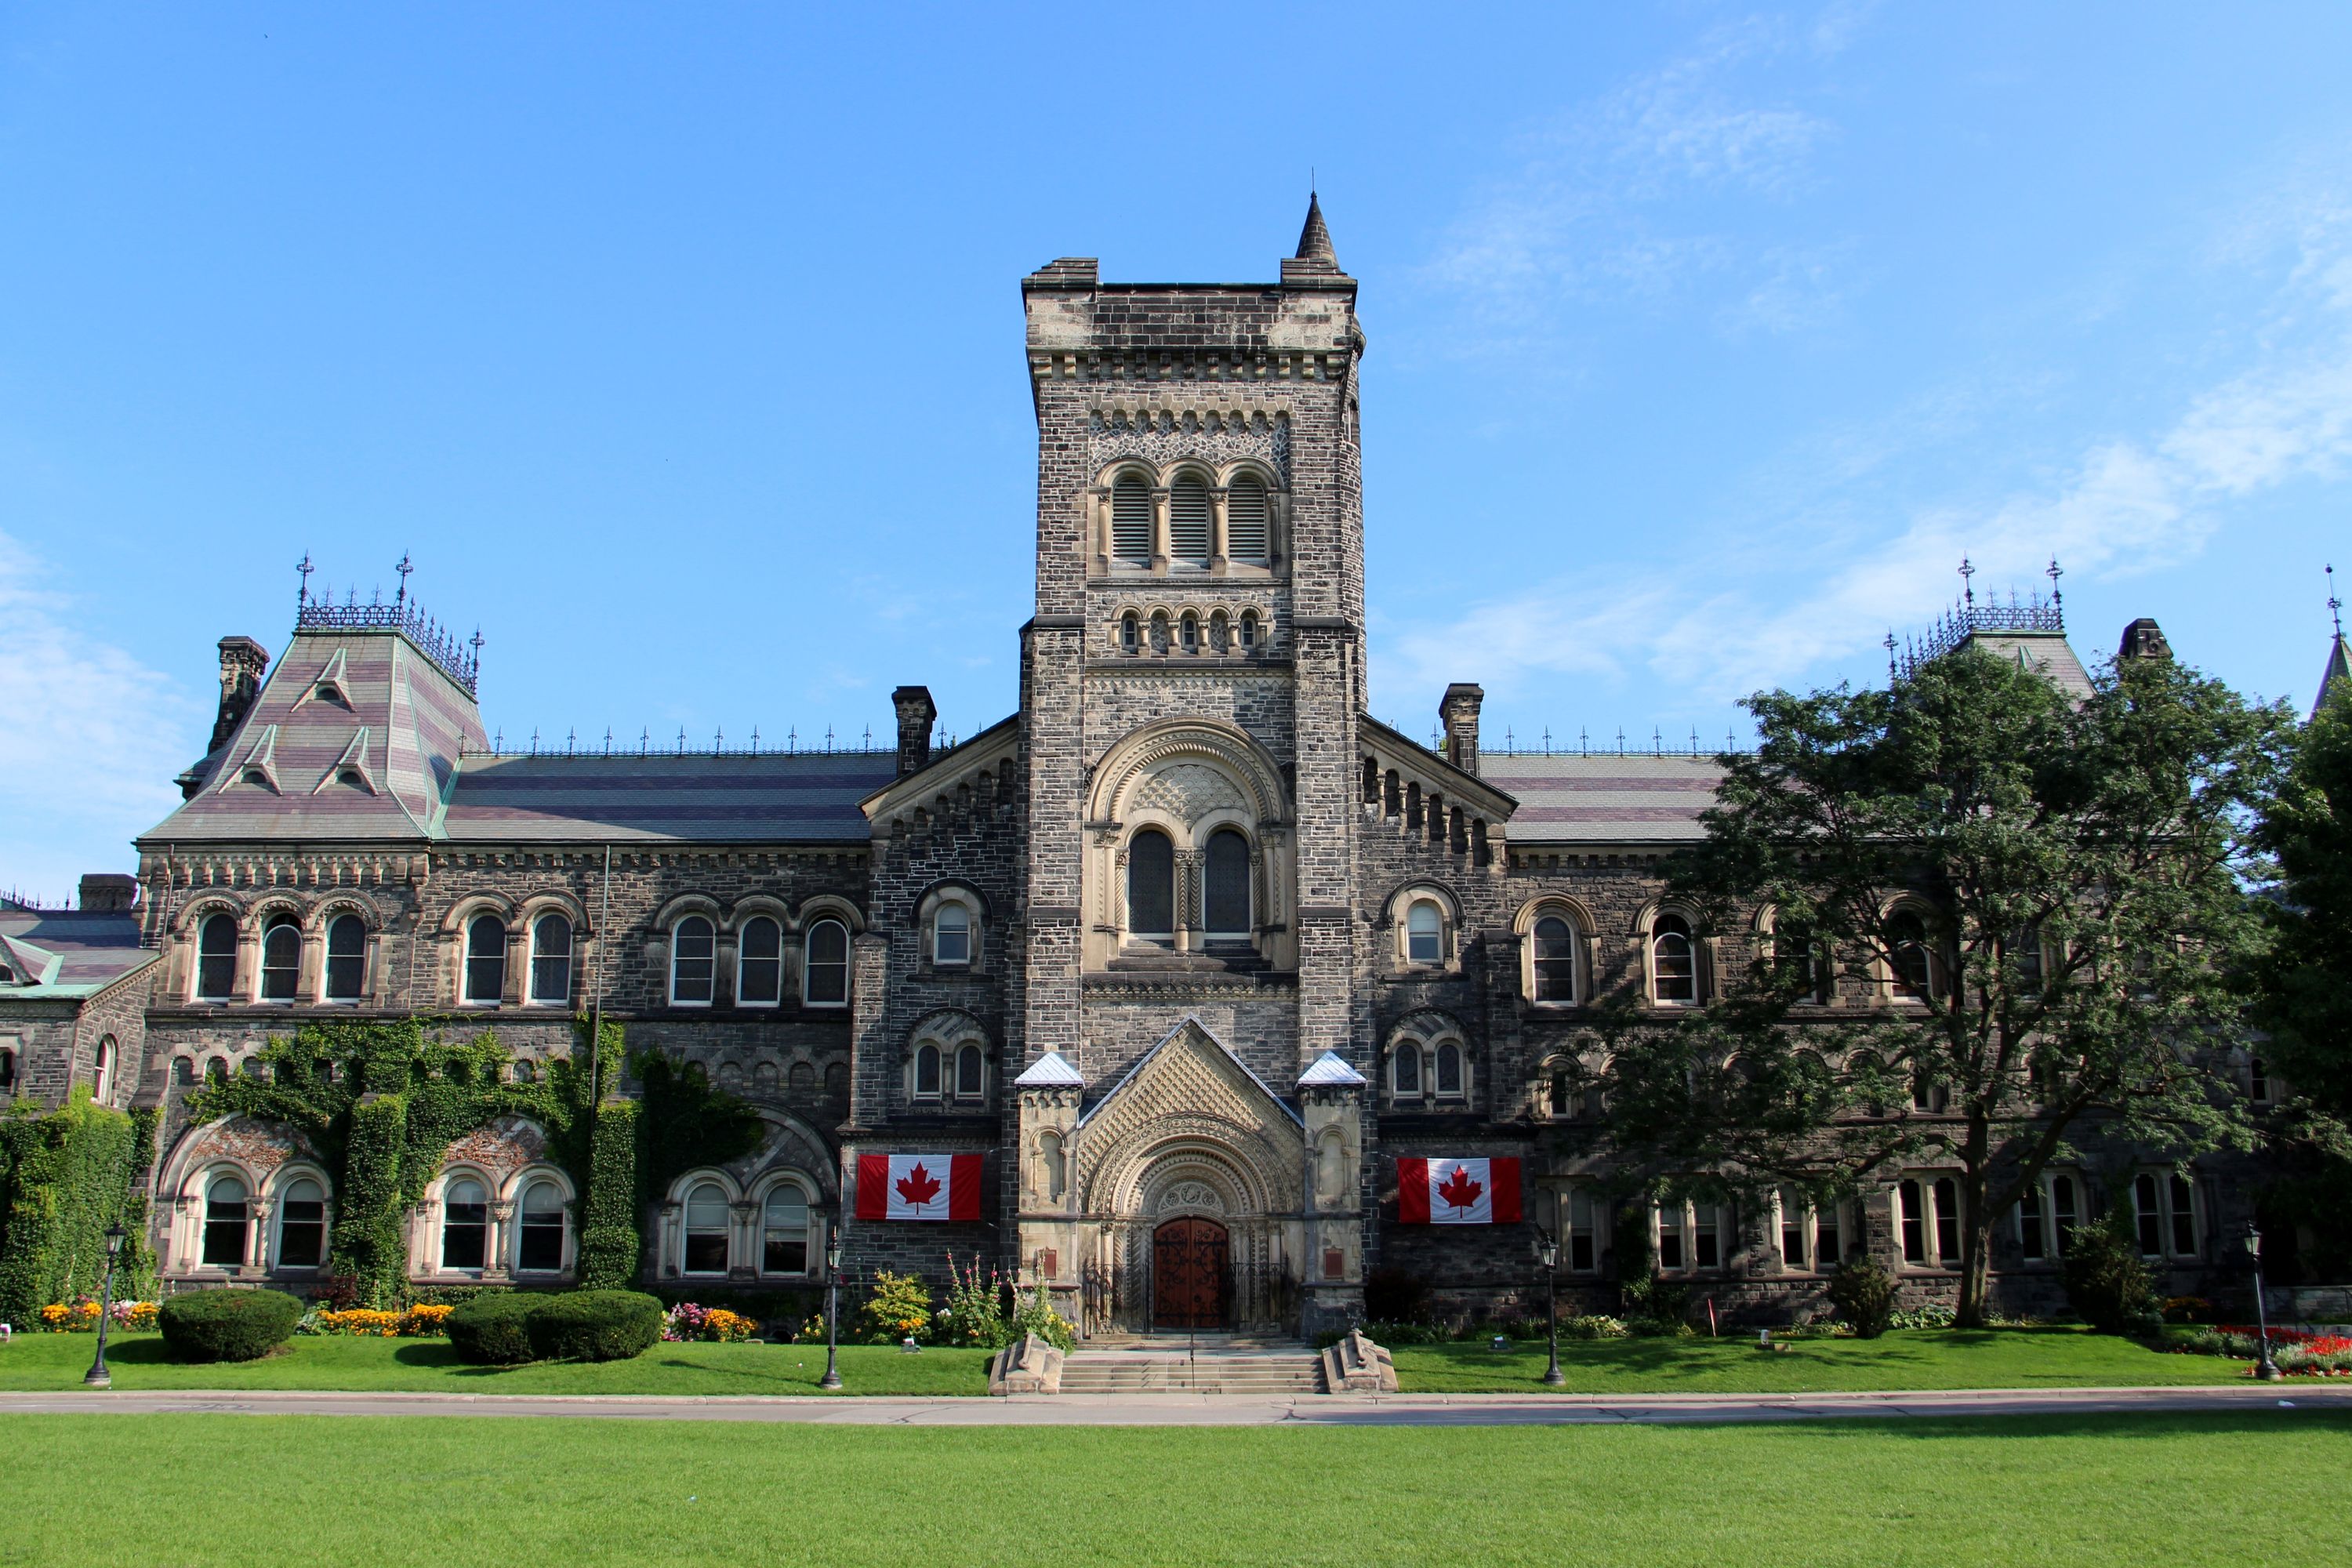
<point x="1191" y="1260"/>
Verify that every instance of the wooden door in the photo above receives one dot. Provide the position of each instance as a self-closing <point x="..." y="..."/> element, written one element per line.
<point x="1188" y="1275"/>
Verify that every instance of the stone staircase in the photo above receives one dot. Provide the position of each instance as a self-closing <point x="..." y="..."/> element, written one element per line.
<point x="1222" y="1366"/>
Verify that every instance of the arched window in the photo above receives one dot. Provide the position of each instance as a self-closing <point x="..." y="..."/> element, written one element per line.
<point x="1159" y="632"/>
<point x="525" y="1072"/>
<point x="1130" y="633"/>
<point x="1908" y="967"/>
<point x="1151" y="885"/>
<point x="1130" y="522"/>
<point x="1405" y="1070"/>
<point x="1188" y="522"/>
<point x="706" y="1230"/>
<point x="1424" y="926"/>
<point x="486" y="961"/>
<point x="216" y="1071"/>
<point x="1226" y="873"/>
<point x="1795" y="964"/>
<point x="2045" y="1214"/>
<point x="184" y="1071"/>
<point x="1249" y="630"/>
<point x="1449" y="1072"/>
<point x="951" y="937"/>
<point x="1188" y="631"/>
<point x="550" y="961"/>
<point x="970" y="1078"/>
<point x="1555" y="960"/>
<point x="1246" y="525"/>
<point x="1674" y="966"/>
<point x="784" y="1231"/>
<point x="760" y="963"/>
<point x="281" y="960"/>
<point x="465" y="1224"/>
<point x="346" y="958"/>
<point x="216" y="958"/>
<point x="693" y="960"/>
<point x="302" y="1225"/>
<point x="1562" y="1100"/>
<point x="224" y="1223"/>
<point x="926" y="1072"/>
<point x="539" y="1237"/>
<point x="8" y="1071"/>
<point x="101" y="1076"/>
<point x="825" y="983"/>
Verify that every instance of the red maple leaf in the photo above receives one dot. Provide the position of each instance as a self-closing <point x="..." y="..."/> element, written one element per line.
<point x="1458" y="1190"/>
<point x="918" y="1187"/>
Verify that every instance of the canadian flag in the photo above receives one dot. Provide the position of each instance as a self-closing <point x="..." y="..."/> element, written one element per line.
<point x="1457" y="1192"/>
<point x="918" y="1186"/>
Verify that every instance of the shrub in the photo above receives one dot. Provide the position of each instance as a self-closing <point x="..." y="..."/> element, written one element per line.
<point x="2105" y="1280"/>
<point x="1593" y="1326"/>
<point x="1651" y="1297"/>
<point x="691" y="1321"/>
<point x="974" y="1314"/>
<point x="899" y="1308"/>
<point x="228" y="1325"/>
<point x="1659" y="1329"/>
<point x="594" y="1325"/>
<point x="1864" y="1294"/>
<point x="1934" y="1315"/>
<point x="1036" y="1316"/>
<point x="493" y="1330"/>
<point x="1395" y="1296"/>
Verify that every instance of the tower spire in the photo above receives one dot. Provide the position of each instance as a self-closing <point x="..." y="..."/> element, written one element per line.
<point x="2339" y="657"/>
<point x="1315" y="240"/>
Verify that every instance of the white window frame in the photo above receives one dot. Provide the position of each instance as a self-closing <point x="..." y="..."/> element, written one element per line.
<point x="1680" y="1224"/>
<point x="466" y="960"/>
<point x="1460" y="1093"/>
<point x="275" y="922"/>
<point x="677" y="932"/>
<point x="1807" y="1216"/>
<point x="1421" y="1092"/>
<point x="227" y="993"/>
<point x="336" y="918"/>
<point x="1531" y="985"/>
<point x="1689" y="935"/>
<point x="743" y="957"/>
<point x="1931" y="1221"/>
<point x="963" y="911"/>
<point x="278" y="1217"/>
<point x="2175" y="1199"/>
<point x="449" y="1185"/>
<point x="802" y="1189"/>
<point x="533" y="1181"/>
<point x="1584" y="1229"/>
<point x="531" y="997"/>
<point x="956" y="1090"/>
<point x="938" y="1093"/>
<point x="2042" y="1233"/>
<point x="688" y="1230"/>
<point x="808" y="967"/>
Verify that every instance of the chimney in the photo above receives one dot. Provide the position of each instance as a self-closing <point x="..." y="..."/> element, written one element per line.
<point x="915" y="711"/>
<point x="2143" y="640"/>
<point x="1459" y="708"/>
<point x="242" y="662"/>
<point x="109" y="891"/>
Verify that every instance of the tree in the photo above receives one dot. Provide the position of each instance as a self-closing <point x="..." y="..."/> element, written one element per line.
<point x="2027" y="906"/>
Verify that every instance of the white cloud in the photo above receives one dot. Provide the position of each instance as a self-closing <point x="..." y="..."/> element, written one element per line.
<point x="90" y="738"/>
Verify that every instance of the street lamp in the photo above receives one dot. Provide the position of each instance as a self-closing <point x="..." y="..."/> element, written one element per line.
<point x="97" y="1377"/>
<point x="2268" y="1370"/>
<point x="832" y="1378"/>
<point x="1547" y="1248"/>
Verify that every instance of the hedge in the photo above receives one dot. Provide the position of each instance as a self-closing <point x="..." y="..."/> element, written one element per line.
<point x="65" y="1177"/>
<point x="595" y="1325"/>
<point x="493" y="1330"/>
<point x="227" y="1325"/>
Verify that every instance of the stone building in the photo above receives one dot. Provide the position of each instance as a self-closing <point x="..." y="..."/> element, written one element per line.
<point x="1189" y="950"/>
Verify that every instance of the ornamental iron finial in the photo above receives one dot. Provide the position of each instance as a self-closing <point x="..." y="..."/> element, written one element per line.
<point x="2334" y="605"/>
<point x="405" y="568"/>
<point x="302" y="594"/>
<point x="1968" y="583"/>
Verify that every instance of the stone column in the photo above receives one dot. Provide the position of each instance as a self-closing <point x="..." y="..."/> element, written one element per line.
<point x="258" y="1211"/>
<point x="497" y="1241"/>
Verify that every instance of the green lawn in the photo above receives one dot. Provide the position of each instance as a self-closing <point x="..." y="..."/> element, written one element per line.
<point x="2263" y="1486"/>
<point x="1916" y="1359"/>
<point x="334" y="1361"/>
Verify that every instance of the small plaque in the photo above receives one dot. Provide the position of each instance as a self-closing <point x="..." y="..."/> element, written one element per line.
<point x="1049" y="1263"/>
<point x="1335" y="1263"/>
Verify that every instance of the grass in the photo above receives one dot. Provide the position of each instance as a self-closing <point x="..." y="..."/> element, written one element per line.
<point x="1914" y="1359"/>
<point x="2264" y="1486"/>
<point x="423" y="1365"/>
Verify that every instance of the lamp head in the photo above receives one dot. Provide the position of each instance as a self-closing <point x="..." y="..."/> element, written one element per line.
<point x="1547" y="1248"/>
<point x="114" y="1238"/>
<point x="2253" y="1239"/>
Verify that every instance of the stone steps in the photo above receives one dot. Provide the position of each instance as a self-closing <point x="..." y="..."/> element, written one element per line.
<point x="1260" y="1372"/>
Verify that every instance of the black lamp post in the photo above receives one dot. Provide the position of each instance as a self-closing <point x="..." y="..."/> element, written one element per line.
<point x="97" y="1377"/>
<point x="832" y="1378"/>
<point x="1547" y="1248"/>
<point x="2268" y="1370"/>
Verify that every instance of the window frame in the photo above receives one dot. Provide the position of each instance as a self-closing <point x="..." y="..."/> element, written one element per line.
<point x="771" y="964"/>
<point x="1404" y="1050"/>
<point x="964" y="922"/>
<point x="102" y="1064"/>
<point x="708" y="978"/>
<point x="2167" y="1200"/>
<point x="1235" y="487"/>
<point x="532" y="1183"/>
<point x="1127" y="486"/>
<point x="538" y="957"/>
<point x="809" y="965"/>
<point x="1794" y="1215"/>
<point x="1543" y="965"/>
<point x="279" y="985"/>
<point x="242" y="1220"/>
<point x="473" y="959"/>
<point x="1934" y="1252"/>
<point x="687" y="1231"/>
<point x="1655" y="939"/>
<point x="1688" y="1239"/>
<point x="1247" y="930"/>
<point x="451" y="1184"/>
<point x="225" y="959"/>
<point x="329" y="992"/>
<point x="1435" y="956"/>
<point x="1135" y="930"/>
<point x="2041" y="1231"/>
<point x="810" y="1251"/>
<point x="970" y="1054"/>
<point x="282" y="1216"/>
<point x="1582" y="1243"/>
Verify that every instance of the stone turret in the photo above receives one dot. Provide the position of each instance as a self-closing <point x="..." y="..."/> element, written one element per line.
<point x="1459" y="708"/>
<point x="916" y="713"/>
<point x="243" y="662"/>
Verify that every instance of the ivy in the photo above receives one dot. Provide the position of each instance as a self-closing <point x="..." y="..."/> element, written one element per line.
<point x="66" y="1175"/>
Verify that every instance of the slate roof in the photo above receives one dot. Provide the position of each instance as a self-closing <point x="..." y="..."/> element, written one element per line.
<point x="1602" y="799"/>
<point x="68" y="953"/>
<point x="803" y="797"/>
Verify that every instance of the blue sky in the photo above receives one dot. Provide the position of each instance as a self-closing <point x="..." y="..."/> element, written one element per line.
<point x="681" y="346"/>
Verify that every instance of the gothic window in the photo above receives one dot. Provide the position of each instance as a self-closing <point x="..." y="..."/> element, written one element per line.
<point x="1449" y="1072"/>
<point x="550" y="961"/>
<point x="281" y="960"/>
<point x="2045" y="1214"/>
<point x="2164" y="1209"/>
<point x="1908" y="972"/>
<point x="1555" y="961"/>
<point x="224" y="1221"/>
<point x="706" y="1230"/>
<point x="1159" y="633"/>
<point x="1188" y="522"/>
<point x="101" y="1078"/>
<point x="784" y="1231"/>
<point x="1424" y="926"/>
<point x="1130" y="633"/>
<point x="1405" y="1070"/>
<point x="216" y="958"/>
<point x="760" y="963"/>
<point x="1152" y="884"/>
<point x="302" y="1225"/>
<point x="826" y="982"/>
<point x="1130" y="522"/>
<point x="693" y="961"/>
<point x="970" y="1079"/>
<point x="926" y="1072"/>
<point x="951" y="937"/>
<point x="1226" y="877"/>
<point x="1674" y="963"/>
<point x="1246" y="525"/>
<point x="485" y="961"/>
<point x="346" y="958"/>
<point x="464" y="1223"/>
<point x="1221" y="632"/>
<point x="539" y="1233"/>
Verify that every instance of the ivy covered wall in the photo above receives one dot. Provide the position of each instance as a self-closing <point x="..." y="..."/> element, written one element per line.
<point x="65" y="1177"/>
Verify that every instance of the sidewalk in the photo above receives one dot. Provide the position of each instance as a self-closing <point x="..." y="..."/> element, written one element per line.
<point x="1219" y="1410"/>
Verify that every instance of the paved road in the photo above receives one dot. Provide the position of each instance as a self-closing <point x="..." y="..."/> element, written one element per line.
<point x="1216" y="1410"/>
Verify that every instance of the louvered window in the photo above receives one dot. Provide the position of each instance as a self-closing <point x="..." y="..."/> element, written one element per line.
<point x="1245" y="527"/>
<point x="1130" y="522"/>
<point x="1188" y="522"/>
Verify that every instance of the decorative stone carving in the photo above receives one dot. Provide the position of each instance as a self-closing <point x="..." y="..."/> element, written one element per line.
<point x="1197" y="1197"/>
<point x="1188" y="792"/>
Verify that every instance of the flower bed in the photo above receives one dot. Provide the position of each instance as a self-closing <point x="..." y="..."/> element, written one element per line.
<point x="687" y="1321"/>
<point x="2297" y="1352"/>
<point x="366" y="1322"/>
<point x="80" y="1316"/>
